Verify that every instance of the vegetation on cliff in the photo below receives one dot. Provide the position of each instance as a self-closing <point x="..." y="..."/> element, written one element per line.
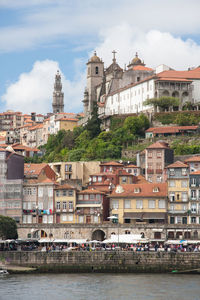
<point x="90" y="143"/>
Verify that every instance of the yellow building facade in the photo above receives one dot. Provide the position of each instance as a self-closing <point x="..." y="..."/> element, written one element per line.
<point x="139" y="203"/>
<point x="65" y="204"/>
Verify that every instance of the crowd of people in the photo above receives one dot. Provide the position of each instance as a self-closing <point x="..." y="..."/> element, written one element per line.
<point x="53" y="247"/>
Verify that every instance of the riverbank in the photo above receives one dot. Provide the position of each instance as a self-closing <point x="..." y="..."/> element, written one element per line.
<point x="101" y="261"/>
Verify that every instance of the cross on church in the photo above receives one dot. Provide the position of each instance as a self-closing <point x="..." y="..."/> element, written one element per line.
<point x="114" y="52"/>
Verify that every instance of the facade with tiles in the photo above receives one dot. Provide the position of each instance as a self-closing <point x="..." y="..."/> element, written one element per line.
<point x="178" y="188"/>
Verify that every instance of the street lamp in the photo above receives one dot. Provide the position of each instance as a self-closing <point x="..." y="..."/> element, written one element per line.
<point x="116" y="219"/>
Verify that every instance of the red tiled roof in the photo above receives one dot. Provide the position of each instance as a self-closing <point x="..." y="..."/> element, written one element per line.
<point x="141" y="68"/>
<point x="173" y="79"/>
<point x="145" y="190"/>
<point x="159" y="145"/>
<point x="91" y="191"/>
<point x="140" y="179"/>
<point x="191" y="74"/>
<point x="193" y="159"/>
<point x="195" y="173"/>
<point x="131" y="166"/>
<point x="111" y="163"/>
<point x="33" y="169"/>
<point x="177" y="164"/>
<point x="65" y="187"/>
<point x="171" y="129"/>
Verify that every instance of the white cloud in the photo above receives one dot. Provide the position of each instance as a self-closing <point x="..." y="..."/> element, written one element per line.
<point x="33" y="91"/>
<point x="53" y="20"/>
<point x="154" y="47"/>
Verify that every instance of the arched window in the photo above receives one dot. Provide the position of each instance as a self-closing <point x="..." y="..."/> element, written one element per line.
<point x="96" y="70"/>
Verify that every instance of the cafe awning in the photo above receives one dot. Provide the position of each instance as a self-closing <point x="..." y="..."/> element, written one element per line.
<point x="144" y="215"/>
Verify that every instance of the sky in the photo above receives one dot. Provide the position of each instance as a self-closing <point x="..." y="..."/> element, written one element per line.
<point x="39" y="37"/>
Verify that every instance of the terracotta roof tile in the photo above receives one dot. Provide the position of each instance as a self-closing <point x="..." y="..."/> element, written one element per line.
<point x="145" y="190"/>
<point x="65" y="187"/>
<point x="91" y="191"/>
<point x="111" y="163"/>
<point x="34" y="169"/>
<point x="159" y="145"/>
<point x="193" y="159"/>
<point x="177" y="164"/>
<point x="171" y="129"/>
<point x="195" y="173"/>
<point x="141" y="68"/>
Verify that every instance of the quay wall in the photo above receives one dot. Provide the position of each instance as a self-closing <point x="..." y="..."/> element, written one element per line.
<point x="103" y="261"/>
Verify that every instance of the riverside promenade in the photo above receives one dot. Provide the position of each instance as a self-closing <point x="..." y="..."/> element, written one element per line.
<point x="102" y="261"/>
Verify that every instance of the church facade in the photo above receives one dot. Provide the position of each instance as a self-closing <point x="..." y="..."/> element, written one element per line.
<point x="120" y="91"/>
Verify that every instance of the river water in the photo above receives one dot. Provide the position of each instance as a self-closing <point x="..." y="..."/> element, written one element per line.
<point x="100" y="286"/>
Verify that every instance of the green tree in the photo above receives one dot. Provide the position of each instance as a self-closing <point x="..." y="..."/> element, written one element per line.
<point x="164" y="103"/>
<point x="8" y="228"/>
<point x="93" y="125"/>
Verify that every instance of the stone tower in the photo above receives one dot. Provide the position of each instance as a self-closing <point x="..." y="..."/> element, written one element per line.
<point x="95" y="73"/>
<point x="58" y="95"/>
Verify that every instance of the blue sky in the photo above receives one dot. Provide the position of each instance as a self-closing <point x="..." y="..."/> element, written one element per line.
<point x="37" y="37"/>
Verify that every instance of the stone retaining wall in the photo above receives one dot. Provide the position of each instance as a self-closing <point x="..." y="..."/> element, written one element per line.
<point x="104" y="261"/>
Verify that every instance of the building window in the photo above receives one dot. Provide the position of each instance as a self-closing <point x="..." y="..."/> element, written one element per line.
<point x="179" y="220"/>
<point x="152" y="204"/>
<point x="193" y="181"/>
<point x="171" y="172"/>
<point x="127" y="203"/>
<point x="64" y="205"/>
<point x="184" y="172"/>
<point x="172" y="183"/>
<point x="64" y="217"/>
<point x="57" y="205"/>
<point x="70" y="218"/>
<point x="94" y="178"/>
<point x="98" y="197"/>
<point x="172" y="197"/>
<point x="139" y="204"/>
<point x="158" y="154"/>
<point x="161" y="204"/>
<point x="96" y="70"/>
<point x="150" y="154"/>
<point x="96" y="219"/>
<point x="159" y="178"/>
<point x="184" y="220"/>
<point x="184" y="196"/>
<point x="193" y="194"/>
<point x="115" y="204"/>
<point x="68" y="168"/>
<point x="193" y="220"/>
<point x="81" y="219"/>
<point x="157" y="235"/>
<point x="71" y="205"/>
<point x="70" y="193"/>
<point x="193" y="208"/>
<point x="99" y="178"/>
<point x="64" y="193"/>
<point x="40" y="192"/>
<point x="172" y="220"/>
<point x="57" y="193"/>
<point x="184" y="183"/>
<point x="124" y="179"/>
<point x="86" y="197"/>
<point x="92" y="197"/>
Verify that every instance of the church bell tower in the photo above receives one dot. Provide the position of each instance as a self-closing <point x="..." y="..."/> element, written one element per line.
<point x="58" y="95"/>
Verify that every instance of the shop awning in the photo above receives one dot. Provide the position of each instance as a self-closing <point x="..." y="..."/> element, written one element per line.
<point x="144" y="215"/>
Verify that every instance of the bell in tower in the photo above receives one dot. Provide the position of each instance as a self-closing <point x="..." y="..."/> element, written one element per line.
<point x="58" y="95"/>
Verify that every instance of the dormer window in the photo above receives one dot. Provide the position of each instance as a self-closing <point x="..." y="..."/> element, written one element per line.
<point x="184" y="172"/>
<point x="156" y="190"/>
<point x="171" y="172"/>
<point x="136" y="190"/>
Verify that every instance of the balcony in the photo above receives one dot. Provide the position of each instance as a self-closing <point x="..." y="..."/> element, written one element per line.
<point x="150" y="171"/>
